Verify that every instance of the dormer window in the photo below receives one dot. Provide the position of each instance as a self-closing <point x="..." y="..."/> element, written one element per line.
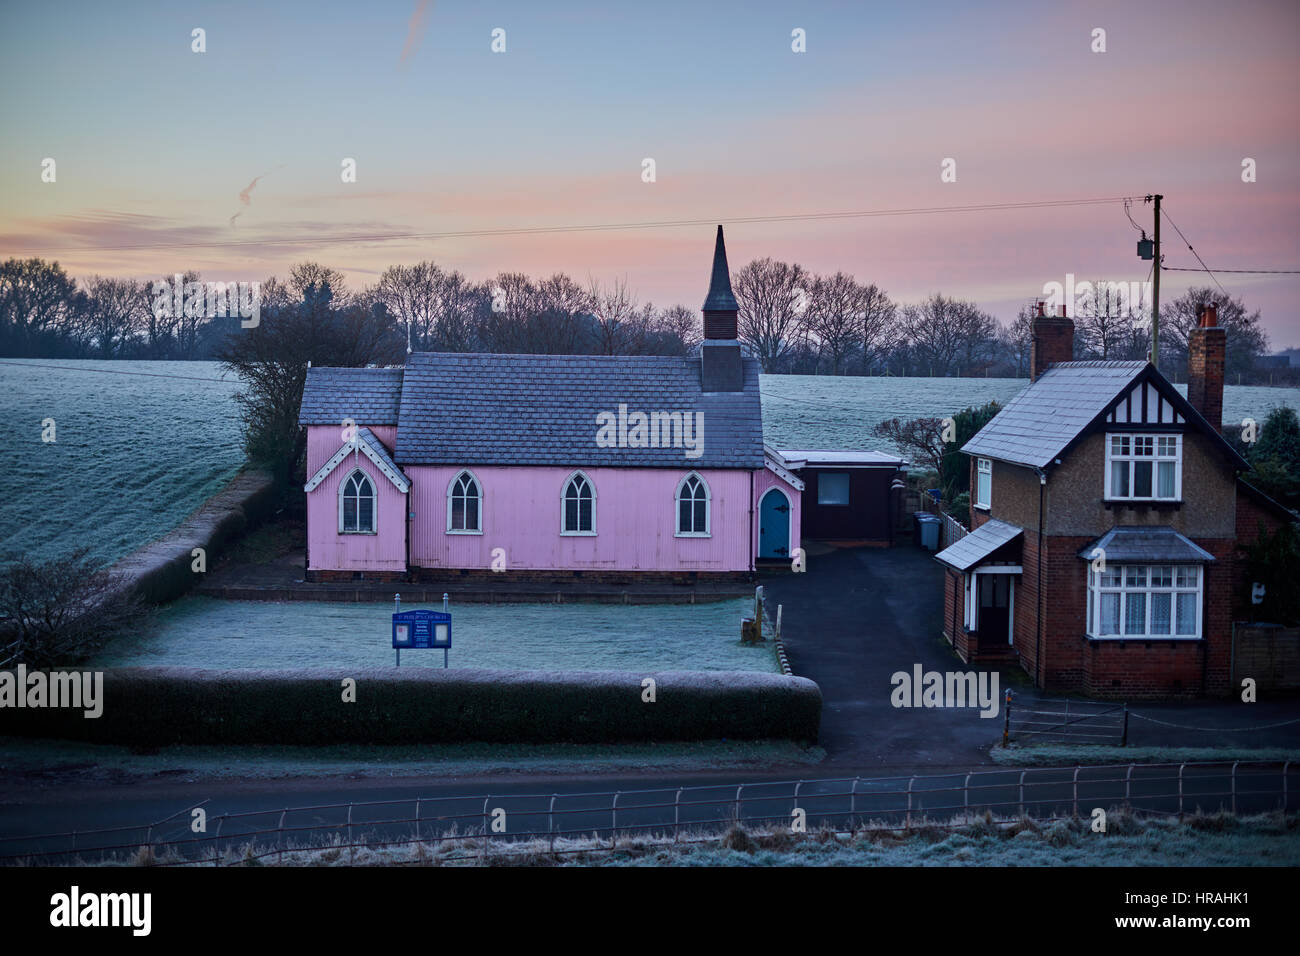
<point x="1144" y="467"/>
<point x="983" y="483"/>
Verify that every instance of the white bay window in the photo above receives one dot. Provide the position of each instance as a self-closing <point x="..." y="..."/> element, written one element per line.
<point x="1145" y="601"/>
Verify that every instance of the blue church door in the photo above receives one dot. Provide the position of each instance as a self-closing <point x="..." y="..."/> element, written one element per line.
<point x="774" y="525"/>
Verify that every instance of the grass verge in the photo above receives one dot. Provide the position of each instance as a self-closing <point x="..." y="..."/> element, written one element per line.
<point x="1065" y="755"/>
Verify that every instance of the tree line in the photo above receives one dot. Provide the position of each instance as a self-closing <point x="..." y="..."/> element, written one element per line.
<point x="791" y="320"/>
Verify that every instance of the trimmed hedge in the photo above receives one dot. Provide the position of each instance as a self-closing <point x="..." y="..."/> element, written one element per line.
<point x="160" y="706"/>
<point x="161" y="570"/>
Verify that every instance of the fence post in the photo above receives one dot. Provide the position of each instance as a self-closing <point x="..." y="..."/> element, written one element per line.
<point x="1234" y="786"/>
<point x="352" y="850"/>
<point x="216" y="842"/>
<point x="1286" y="801"/>
<point x="677" y="816"/>
<point x="853" y="806"/>
<point x="736" y="810"/>
<point x="1076" y="793"/>
<point x="279" y="838"/>
<point x="1006" y="720"/>
<point x="1128" y="784"/>
<point x="909" y="802"/>
<point x="417" y="820"/>
<point x="1022" y="793"/>
<point x="613" y="819"/>
<point x="1180" y="791"/>
<point x="965" y="796"/>
<point x="1123" y="739"/>
<point x="550" y="822"/>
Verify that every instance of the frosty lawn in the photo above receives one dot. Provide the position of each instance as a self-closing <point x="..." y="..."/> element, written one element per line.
<point x="214" y="633"/>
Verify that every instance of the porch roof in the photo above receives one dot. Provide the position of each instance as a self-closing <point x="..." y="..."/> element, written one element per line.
<point x="978" y="545"/>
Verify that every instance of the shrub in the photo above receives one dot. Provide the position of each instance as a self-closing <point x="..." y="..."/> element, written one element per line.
<point x="59" y="611"/>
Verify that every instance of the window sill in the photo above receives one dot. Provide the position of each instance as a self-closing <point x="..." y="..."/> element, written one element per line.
<point x="1144" y="639"/>
<point x="341" y="531"/>
<point x="982" y="507"/>
<point x="693" y="534"/>
<point x="577" y="534"/>
<point x="1171" y="504"/>
<point x="461" y="531"/>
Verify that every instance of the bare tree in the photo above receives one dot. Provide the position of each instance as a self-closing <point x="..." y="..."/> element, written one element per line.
<point x="770" y="295"/>
<point x="833" y="318"/>
<point x="117" y="311"/>
<point x="614" y="309"/>
<point x="680" y="324"/>
<point x="1246" y="339"/>
<point x="879" y="326"/>
<point x="37" y="299"/>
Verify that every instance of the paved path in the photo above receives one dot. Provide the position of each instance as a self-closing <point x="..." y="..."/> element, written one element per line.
<point x="851" y="621"/>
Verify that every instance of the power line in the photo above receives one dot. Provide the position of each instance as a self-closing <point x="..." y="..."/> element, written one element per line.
<point x="113" y="371"/>
<point x="595" y="227"/>
<point x="1195" y="253"/>
<point x="1251" y="272"/>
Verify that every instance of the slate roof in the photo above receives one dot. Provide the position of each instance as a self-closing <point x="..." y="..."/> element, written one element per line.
<point x="368" y="396"/>
<point x="1147" y="545"/>
<point x="487" y="409"/>
<point x="979" y="544"/>
<point x="1047" y="415"/>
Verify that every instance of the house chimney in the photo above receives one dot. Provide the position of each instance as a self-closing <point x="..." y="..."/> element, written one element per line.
<point x="1206" y="352"/>
<point x="721" y="368"/>
<point x="1053" y="341"/>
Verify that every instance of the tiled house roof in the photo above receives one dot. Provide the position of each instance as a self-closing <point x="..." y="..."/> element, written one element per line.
<point x="1038" y="424"/>
<point x="489" y="409"/>
<point x="368" y="396"/>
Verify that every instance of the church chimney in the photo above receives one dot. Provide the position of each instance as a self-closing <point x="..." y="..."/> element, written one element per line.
<point x="721" y="368"/>
<point x="1206" y="353"/>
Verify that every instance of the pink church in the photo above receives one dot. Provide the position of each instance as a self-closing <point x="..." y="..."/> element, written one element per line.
<point x="548" y="464"/>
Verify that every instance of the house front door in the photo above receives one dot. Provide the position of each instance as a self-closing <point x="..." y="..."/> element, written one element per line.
<point x="994" y="610"/>
<point x="774" y="525"/>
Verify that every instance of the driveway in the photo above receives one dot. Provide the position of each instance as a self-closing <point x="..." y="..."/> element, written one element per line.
<point x="851" y="621"/>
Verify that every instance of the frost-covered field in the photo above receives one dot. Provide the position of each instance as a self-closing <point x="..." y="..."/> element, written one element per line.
<point x="133" y="453"/>
<point x="821" y="411"/>
<point x="141" y="444"/>
<point x="214" y="633"/>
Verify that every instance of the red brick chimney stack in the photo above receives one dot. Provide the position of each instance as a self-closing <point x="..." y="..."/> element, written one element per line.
<point x="1206" y="353"/>
<point x="1053" y="341"/>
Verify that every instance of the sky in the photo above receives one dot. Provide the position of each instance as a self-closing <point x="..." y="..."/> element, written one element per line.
<point x="154" y="143"/>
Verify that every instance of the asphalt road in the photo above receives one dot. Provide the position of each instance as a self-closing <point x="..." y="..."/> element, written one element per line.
<point x="319" y="811"/>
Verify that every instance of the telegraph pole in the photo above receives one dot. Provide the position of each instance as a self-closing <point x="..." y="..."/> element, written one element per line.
<point x="1155" y="290"/>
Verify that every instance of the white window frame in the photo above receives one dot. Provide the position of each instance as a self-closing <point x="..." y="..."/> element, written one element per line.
<point x="677" y="508"/>
<point x="1155" y="458"/>
<point x="564" y="490"/>
<point x="1096" y="590"/>
<point x="374" y="499"/>
<point x="983" y="466"/>
<point x="451" y="496"/>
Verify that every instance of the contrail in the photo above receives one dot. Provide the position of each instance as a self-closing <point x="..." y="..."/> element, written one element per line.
<point x="415" y="30"/>
<point x="246" y="196"/>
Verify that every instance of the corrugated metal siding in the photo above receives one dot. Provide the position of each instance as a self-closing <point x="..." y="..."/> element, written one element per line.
<point x="328" y="549"/>
<point x="635" y="521"/>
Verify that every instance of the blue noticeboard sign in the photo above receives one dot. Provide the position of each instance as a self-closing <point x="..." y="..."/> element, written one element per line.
<point x="416" y="629"/>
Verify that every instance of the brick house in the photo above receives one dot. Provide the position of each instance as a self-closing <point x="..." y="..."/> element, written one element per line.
<point x="1108" y="517"/>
